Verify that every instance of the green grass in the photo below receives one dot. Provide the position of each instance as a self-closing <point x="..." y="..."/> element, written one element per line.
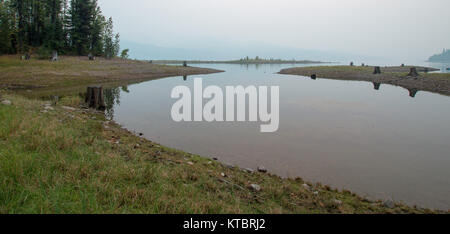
<point x="77" y="71"/>
<point x="69" y="162"/>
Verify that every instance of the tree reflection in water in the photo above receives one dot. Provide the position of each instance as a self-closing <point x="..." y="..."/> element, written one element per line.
<point x="112" y="98"/>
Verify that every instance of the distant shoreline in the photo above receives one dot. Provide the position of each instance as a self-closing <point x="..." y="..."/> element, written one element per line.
<point x="431" y="82"/>
<point x="241" y="61"/>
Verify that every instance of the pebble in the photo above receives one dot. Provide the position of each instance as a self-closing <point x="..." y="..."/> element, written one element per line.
<point x="337" y="202"/>
<point x="249" y="170"/>
<point x="262" y="169"/>
<point x="7" y="102"/>
<point x="306" y="186"/>
<point x="68" y="108"/>
<point x="255" y="187"/>
<point x="389" y="204"/>
<point x="229" y="165"/>
<point x="223" y="174"/>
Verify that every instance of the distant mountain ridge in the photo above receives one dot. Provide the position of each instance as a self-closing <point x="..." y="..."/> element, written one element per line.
<point x="153" y="52"/>
<point x="443" y="57"/>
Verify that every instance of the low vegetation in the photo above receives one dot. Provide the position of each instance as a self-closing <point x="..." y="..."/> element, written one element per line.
<point x="80" y="71"/>
<point x="62" y="159"/>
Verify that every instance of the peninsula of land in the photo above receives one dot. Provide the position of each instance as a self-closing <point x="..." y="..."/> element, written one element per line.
<point x="424" y="80"/>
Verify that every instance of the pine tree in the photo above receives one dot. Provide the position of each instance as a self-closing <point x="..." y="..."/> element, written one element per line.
<point x="6" y="29"/>
<point x="68" y="26"/>
<point x="81" y="17"/>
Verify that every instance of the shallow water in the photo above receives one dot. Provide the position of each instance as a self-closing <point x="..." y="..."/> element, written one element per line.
<point x="379" y="143"/>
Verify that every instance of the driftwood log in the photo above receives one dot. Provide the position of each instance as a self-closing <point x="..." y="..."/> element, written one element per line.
<point x="94" y="97"/>
<point x="377" y="70"/>
<point x="413" y="72"/>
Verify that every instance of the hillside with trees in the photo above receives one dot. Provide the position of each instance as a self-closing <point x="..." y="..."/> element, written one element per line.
<point x="70" y="27"/>
<point x="444" y="57"/>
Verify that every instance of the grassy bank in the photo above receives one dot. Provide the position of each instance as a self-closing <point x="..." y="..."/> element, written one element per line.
<point x="55" y="159"/>
<point x="432" y="82"/>
<point x="79" y="71"/>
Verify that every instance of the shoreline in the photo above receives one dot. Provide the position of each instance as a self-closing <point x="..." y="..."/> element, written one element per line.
<point x="398" y="76"/>
<point x="79" y="71"/>
<point x="122" y="163"/>
<point x="70" y="147"/>
<point x="240" y="62"/>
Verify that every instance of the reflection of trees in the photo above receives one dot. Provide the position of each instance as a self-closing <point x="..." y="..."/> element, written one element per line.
<point x="112" y="98"/>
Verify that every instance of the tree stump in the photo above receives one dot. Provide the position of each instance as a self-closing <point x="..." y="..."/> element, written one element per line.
<point x="55" y="56"/>
<point x="377" y="70"/>
<point x="94" y="97"/>
<point x="184" y="64"/>
<point x="413" y="72"/>
<point x="376" y="86"/>
<point x="313" y="76"/>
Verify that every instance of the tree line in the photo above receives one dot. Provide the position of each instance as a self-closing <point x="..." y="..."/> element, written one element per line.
<point x="72" y="27"/>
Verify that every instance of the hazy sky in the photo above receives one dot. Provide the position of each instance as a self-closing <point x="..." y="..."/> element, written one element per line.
<point x="389" y="28"/>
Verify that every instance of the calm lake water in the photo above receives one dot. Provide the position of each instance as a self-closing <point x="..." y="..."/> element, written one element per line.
<point x="379" y="143"/>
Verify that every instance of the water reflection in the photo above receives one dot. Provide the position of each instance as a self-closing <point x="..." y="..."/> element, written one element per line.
<point x="376" y="85"/>
<point x="112" y="99"/>
<point x="342" y="133"/>
<point x="413" y="92"/>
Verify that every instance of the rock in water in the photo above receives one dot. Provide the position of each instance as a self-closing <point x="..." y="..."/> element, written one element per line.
<point x="262" y="169"/>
